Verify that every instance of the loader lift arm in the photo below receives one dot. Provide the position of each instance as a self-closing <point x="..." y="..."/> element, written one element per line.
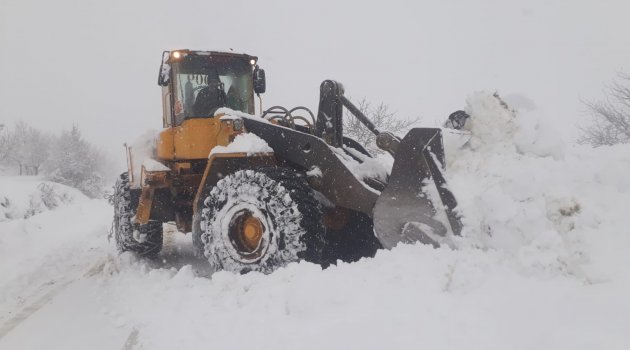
<point x="415" y="155"/>
<point x="403" y="211"/>
<point x="330" y="114"/>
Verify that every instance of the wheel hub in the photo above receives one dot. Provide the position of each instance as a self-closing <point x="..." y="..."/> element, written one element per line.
<point x="252" y="232"/>
<point x="246" y="233"/>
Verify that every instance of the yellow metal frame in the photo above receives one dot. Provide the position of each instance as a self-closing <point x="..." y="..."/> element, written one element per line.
<point x="149" y="182"/>
<point x="195" y="138"/>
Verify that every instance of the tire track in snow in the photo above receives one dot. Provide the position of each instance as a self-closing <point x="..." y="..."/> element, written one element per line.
<point x="29" y="310"/>
<point x="132" y="340"/>
<point x="32" y="308"/>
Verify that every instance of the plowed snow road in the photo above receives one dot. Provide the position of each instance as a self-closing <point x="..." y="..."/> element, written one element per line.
<point x="68" y="312"/>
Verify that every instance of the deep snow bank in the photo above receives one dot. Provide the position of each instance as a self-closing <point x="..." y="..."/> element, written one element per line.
<point x="25" y="196"/>
<point x="543" y="263"/>
<point x="46" y="232"/>
<point x="556" y="209"/>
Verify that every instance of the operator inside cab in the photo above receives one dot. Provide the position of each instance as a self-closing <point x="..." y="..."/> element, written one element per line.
<point x="204" y="83"/>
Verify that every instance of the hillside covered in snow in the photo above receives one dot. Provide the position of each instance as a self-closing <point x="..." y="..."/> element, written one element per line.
<point x="543" y="263"/>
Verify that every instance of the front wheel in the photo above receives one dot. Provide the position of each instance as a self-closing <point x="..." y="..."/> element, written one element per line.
<point x="261" y="220"/>
<point x="145" y="240"/>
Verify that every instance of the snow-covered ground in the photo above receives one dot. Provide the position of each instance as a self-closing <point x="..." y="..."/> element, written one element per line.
<point x="544" y="263"/>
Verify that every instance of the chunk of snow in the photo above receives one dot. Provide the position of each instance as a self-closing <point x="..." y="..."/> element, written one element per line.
<point x="314" y="171"/>
<point x="229" y="117"/>
<point x="227" y="112"/>
<point x="244" y="143"/>
<point x="154" y="165"/>
<point x="492" y="123"/>
<point x="497" y="126"/>
<point x="365" y="167"/>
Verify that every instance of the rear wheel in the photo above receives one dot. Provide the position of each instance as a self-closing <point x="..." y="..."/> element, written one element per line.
<point x="146" y="240"/>
<point x="261" y="220"/>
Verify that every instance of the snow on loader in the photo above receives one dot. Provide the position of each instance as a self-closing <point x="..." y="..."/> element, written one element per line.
<point x="260" y="192"/>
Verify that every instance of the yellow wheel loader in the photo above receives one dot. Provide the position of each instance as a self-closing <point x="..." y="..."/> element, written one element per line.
<point x="259" y="192"/>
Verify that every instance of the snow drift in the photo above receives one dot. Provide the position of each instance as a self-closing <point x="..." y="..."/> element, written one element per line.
<point x="542" y="264"/>
<point x="46" y="230"/>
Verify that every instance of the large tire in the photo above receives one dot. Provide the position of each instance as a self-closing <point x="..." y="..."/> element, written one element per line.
<point x="145" y="240"/>
<point x="261" y="220"/>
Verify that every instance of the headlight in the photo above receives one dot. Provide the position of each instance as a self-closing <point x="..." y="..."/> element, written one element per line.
<point x="238" y="124"/>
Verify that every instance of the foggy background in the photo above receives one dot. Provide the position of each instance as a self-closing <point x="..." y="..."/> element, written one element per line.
<point x="95" y="63"/>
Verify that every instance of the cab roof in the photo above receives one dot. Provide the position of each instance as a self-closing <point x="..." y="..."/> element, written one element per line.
<point x="214" y="53"/>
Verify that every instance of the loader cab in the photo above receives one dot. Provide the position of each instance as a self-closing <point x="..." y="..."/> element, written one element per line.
<point x="197" y="83"/>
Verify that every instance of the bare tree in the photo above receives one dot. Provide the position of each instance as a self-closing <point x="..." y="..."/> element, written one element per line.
<point x="6" y="143"/>
<point x="28" y="148"/>
<point x="610" y="118"/>
<point x="36" y="151"/>
<point x="383" y="119"/>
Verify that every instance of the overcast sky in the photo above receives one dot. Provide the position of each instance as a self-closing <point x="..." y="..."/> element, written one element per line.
<point x="95" y="63"/>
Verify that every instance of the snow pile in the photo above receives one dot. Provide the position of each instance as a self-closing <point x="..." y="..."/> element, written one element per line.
<point x="551" y="208"/>
<point x="496" y="126"/>
<point x="491" y="122"/>
<point x="23" y="197"/>
<point x="443" y="299"/>
<point x="245" y="143"/>
<point x="50" y="227"/>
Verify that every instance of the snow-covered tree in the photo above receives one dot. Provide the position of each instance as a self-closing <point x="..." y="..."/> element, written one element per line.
<point x="610" y="118"/>
<point x="75" y="162"/>
<point x="66" y="158"/>
<point x="383" y="119"/>
<point x="6" y="143"/>
<point x="31" y="150"/>
<point x="24" y="147"/>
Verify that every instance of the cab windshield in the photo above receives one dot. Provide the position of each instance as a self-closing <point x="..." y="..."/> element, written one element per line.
<point x="202" y="84"/>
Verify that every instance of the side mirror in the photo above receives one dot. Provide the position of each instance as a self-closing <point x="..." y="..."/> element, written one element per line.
<point x="259" y="80"/>
<point x="165" y="70"/>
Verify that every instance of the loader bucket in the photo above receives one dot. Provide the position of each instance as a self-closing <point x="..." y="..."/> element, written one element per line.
<point x="416" y="205"/>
